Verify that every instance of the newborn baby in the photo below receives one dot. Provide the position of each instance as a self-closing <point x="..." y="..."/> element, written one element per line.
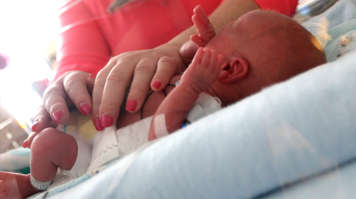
<point x="259" y="49"/>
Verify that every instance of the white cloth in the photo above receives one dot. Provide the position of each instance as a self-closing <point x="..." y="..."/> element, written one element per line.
<point x="111" y="144"/>
<point x="83" y="157"/>
<point x="205" y="105"/>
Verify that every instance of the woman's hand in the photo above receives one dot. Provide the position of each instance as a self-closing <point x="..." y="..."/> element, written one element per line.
<point x="72" y="88"/>
<point x="137" y="71"/>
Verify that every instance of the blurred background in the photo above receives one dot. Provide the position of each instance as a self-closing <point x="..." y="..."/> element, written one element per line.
<point x="28" y="35"/>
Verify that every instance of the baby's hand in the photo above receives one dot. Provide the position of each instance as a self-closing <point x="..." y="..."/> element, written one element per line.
<point x="204" y="69"/>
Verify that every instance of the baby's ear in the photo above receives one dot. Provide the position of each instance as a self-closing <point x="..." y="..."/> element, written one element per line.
<point x="205" y="30"/>
<point x="236" y="70"/>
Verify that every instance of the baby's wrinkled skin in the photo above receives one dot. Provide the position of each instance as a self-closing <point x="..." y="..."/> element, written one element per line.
<point x="259" y="49"/>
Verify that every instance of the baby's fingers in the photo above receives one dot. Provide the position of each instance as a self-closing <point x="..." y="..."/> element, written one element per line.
<point x="207" y="58"/>
<point x="114" y="91"/>
<point x="140" y="84"/>
<point x="197" y="60"/>
<point x="166" y="68"/>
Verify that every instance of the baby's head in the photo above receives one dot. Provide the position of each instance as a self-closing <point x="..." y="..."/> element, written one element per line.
<point x="261" y="48"/>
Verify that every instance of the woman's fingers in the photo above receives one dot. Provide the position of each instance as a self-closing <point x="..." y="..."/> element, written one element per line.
<point x="114" y="92"/>
<point x="72" y="87"/>
<point x="41" y="120"/>
<point x="140" y="84"/>
<point x="97" y="94"/>
<point x="131" y="74"/>
<point x="166" y="68"/>
<point x="54" y="101"/>
<point x="76" y="87"/>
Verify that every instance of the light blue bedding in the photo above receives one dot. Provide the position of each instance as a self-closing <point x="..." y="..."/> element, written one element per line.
<point x="338" y="184"/>
<point x="17" y="160"/>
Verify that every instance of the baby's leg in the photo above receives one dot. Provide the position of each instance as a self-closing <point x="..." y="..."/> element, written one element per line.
<point x="49" y="150"/>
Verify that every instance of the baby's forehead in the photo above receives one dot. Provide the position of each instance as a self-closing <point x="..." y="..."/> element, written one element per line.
<point x="224" y="41"/>
<point x="257" y="21"/>
<point x="230" y="33"/>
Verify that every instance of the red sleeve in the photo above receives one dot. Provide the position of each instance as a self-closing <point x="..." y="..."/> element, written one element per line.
<point x="287" y="7"/>
<point x="83" y="46"/>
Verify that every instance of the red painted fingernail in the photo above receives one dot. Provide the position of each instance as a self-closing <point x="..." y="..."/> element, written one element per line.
<point x="57" y="116"/>
<point x="131" y="105"/>
<point x="157" y="84"/>
<point x="97" y="124"/>
<point x="25" y="144"/>
<point x="85" y="109"/>
<point x="106" y="121"/>
<point x="35" y="126"/>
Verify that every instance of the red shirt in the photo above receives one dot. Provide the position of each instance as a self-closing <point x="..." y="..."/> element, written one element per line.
<point x="287" y="7"/>
<point x="90" y="36"/>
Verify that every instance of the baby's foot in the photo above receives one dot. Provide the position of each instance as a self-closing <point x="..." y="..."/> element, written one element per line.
<point x="15" y="186"/>
<point x="204" y="69"/>
<point x="204" y="28"/>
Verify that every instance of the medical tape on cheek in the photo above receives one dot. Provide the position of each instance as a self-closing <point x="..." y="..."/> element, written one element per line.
<point x="160" y="126"/>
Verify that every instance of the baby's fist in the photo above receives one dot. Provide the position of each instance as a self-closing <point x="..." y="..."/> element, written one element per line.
<point x="204" y="69"/>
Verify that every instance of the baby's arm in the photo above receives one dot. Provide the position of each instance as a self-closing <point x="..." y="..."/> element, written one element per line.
<point x="199" y="76"/>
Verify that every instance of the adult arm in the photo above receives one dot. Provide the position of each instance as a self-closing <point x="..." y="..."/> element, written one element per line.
<point x="287" y="7"/>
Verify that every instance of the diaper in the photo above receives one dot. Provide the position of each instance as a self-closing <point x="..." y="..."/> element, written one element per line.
<point x="83" y="157"/>
<point x="112" y="144"/>
<point x="83" y="131"/>
<point x="96" y="150"/>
